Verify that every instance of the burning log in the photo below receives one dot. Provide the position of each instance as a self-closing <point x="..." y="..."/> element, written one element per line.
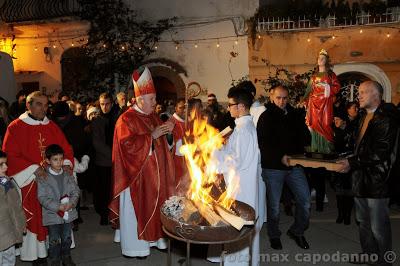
<point x="190" y="214"/>
<point x="208" y="213"/>
<point x="230" y="217"/>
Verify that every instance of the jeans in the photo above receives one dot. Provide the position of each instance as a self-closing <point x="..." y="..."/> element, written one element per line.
<point x="374" y="228"/>
<point x="59" y="241"/>
<point x="297" y="183"/>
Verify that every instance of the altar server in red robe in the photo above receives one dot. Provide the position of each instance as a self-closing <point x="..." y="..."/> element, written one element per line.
<point x="178" y="118"/>
<point x="143" y="171"/>
<point x="25" y="142"/>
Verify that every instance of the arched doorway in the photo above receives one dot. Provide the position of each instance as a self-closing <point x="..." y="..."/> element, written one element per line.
<point x="370" y="71"/>
<point x="169" y="85"/>
<point x="350" y="81"/>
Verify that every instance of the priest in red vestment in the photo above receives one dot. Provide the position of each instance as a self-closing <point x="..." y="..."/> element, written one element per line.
<point x="25" y="142"/>
<point x="178" y="118"/>
<point x="143" y="171"/>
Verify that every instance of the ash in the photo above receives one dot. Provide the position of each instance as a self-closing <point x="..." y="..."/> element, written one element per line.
<point x="173" y="207"/>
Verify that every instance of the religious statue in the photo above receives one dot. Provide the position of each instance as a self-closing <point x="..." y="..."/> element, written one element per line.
<point x="319" y="99"/>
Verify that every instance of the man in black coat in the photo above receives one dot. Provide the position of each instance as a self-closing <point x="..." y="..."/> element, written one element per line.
<point x="371" y="165"/>
<point x="281" y="132"/>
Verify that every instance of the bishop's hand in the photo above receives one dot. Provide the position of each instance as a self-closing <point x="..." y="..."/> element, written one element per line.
<point x="161" y="131"/>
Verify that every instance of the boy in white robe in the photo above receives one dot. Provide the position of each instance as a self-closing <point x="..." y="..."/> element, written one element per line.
<point x="242" y="154"/>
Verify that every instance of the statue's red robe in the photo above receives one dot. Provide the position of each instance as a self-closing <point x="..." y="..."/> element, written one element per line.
<point x="319" y="107"/>
<point x="145" y="166"/>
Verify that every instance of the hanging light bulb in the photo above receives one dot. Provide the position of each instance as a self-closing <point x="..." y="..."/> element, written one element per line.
<point x="123" y="47"/>
<point x="72" y="44"/>
<point x="54" y="46"/>
<point x="308" y="40"/>
<point x="35" y="49"/>
<point x="155" y="47"/>
<point x="176" y="47"/>
<point x="236" y="42"/>
<point x="388" y="35"/>
<point x="104" y="45"/>
<point x="195" y="45"/>
<point x="218" y="45"/>
<point x="259" y="36"/>
<point x="333" y="37"/>
<point x="361" y="31"/>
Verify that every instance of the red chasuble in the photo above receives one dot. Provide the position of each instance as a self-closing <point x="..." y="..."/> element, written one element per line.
<point x="320" y="107"/>
<point x="145" y="166"/>
<point x="179" y="159"/>
<point x="25" y="143"/>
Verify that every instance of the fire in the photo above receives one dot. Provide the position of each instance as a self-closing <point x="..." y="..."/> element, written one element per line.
<point x="202" y="141"/>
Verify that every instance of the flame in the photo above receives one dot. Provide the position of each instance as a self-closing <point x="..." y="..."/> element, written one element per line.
<point x="201" y="141"/>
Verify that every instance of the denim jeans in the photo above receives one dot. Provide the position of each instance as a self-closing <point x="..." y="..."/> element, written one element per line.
<point x="374" y="228"/>
<point x="59" y="241"/>
<point x="297" y="183"/>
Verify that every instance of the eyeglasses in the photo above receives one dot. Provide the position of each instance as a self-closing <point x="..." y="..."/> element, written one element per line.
<point x="232" y="104"/>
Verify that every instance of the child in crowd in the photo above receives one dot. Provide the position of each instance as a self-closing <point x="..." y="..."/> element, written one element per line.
<point x="58" y="193"/>
<point x="12" y="217"/>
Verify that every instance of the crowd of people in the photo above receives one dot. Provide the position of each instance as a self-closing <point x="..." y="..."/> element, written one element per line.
<point x="127" y="153"/>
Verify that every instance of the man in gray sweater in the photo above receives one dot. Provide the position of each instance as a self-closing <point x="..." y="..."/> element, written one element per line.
<point x="58" y="194"/>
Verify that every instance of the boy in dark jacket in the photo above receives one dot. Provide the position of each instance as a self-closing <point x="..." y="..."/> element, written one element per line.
<point x="58" y="194"/>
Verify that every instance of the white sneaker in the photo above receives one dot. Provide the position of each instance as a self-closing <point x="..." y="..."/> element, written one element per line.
<point x="313" y="193"/>
<point x="326" y="199"/>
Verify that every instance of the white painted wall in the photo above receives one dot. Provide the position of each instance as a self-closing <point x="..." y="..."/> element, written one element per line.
<point x="207" y="64"/>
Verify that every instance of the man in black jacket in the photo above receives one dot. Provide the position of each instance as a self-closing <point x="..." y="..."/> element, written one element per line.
<point x="371" y="165"/>
<point x="280" y="131"/>
<point x="102" y="139"/>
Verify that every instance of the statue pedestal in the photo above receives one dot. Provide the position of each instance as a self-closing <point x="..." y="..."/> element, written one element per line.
<point x="330" y="165"/>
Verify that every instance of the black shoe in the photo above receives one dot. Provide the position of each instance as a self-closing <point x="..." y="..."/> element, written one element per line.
<point x="339" y="219"/>
<point x="276" y="243"/>
<point x="300" y="240"/>
<point x="41" y="262"/>
<point x="67" y="261"/>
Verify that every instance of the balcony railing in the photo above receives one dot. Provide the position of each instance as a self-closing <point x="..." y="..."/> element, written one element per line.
<point x="34" y="10"/>
<point x="392" y="15"/>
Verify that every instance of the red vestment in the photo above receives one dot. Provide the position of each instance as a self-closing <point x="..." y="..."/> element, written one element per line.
<point x="319" y="107"/>
<point x="25" y="142"/>
<point x="179" y="159"/>
<point x="146" y="167"/>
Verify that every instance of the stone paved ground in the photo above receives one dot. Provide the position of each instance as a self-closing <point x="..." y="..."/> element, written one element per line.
<point x="95" y="244"/>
